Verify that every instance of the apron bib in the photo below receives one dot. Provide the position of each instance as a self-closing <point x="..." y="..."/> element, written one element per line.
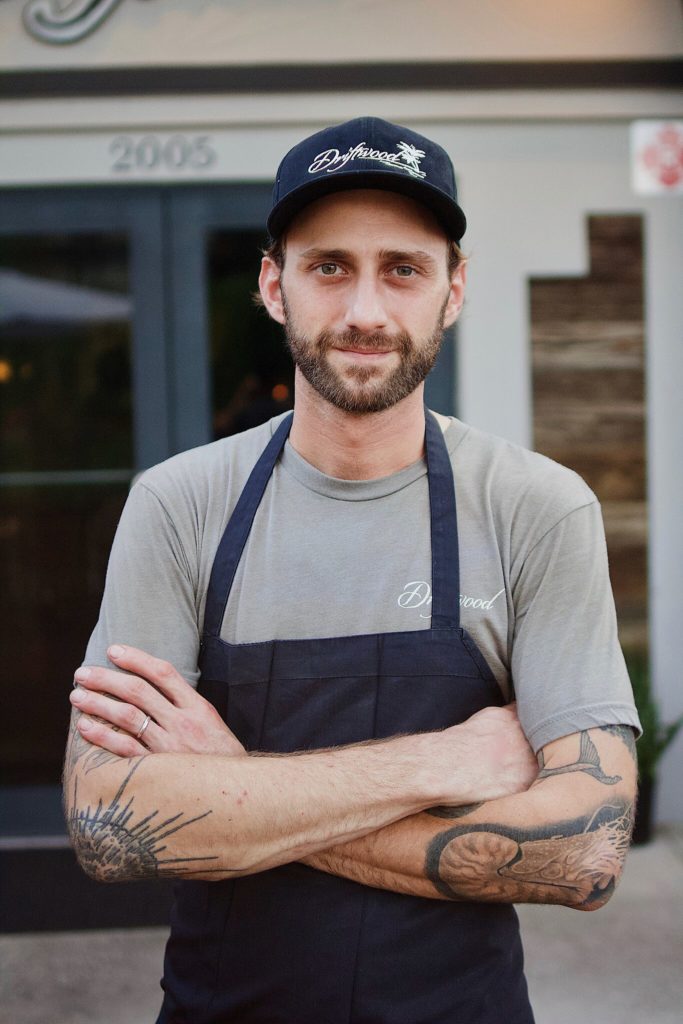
<point x="293" y="945"/>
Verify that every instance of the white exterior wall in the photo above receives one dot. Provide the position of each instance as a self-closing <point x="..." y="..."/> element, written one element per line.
<point x="239" y="32"/>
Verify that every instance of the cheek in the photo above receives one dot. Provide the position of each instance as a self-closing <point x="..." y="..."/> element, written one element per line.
<point x="312" y="312"/>
<point x="422" y="318"/>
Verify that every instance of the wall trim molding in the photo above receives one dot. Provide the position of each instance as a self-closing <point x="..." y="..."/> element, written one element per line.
<point x="334" y="78"/>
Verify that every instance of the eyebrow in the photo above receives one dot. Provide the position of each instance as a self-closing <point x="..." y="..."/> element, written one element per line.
<point x="332" y="255"/>
<point x="425" y="259"/>
<point x="408" y="256"/>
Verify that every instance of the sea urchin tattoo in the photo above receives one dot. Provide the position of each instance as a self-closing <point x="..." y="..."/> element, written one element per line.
<point x="113" y="845"/>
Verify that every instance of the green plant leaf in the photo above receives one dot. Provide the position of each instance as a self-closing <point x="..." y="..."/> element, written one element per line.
<point x="656" y="735"/>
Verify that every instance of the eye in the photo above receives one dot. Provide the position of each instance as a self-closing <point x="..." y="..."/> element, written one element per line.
<point x="404" y="271"/>
<point x="328" y="269"/>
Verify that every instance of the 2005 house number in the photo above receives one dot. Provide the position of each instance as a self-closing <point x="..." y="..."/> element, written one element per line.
<point x="153" y="153"/>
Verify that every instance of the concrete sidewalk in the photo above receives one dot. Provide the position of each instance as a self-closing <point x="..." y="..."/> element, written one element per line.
<point x="622" y="965"/>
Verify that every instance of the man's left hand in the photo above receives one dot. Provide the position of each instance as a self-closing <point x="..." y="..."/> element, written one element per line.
<point x="148" y="706"/>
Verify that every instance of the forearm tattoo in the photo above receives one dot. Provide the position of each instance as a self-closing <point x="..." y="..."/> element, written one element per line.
<point x="626" y="735"/>
<point x="77" y="746"/>
<point x="575" y="862"/>
<point x="114" y="843"/>
<point x="588" y="762"/>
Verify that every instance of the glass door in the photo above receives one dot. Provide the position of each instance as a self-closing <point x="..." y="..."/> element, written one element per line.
<point x="66" y="450"/>
<point x="81" y="410"/>
<point x="116" y="307"/>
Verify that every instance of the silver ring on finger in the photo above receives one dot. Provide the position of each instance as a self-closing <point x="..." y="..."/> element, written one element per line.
<point x="143" y="727"/>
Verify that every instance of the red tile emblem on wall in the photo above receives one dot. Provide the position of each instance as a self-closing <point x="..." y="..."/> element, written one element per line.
<point x="657" y="156"/>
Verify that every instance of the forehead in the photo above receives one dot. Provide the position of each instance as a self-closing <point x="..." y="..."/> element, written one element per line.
<point x="366" y="218"/>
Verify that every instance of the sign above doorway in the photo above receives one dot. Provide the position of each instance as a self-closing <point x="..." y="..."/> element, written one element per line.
<point x="49" y="21"/>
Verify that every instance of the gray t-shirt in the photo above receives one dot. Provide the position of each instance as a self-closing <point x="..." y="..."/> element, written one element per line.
<point x="328" y="557"/>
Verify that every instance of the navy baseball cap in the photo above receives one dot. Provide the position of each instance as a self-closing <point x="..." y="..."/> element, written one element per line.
<point x="367" y="153"/>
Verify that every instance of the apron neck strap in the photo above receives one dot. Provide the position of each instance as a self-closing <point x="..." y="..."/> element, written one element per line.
<point x="444" y="527"/>
<point x="235" y="536"/>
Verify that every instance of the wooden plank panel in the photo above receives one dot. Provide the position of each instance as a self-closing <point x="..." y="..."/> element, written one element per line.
<point x="587" y="346"/>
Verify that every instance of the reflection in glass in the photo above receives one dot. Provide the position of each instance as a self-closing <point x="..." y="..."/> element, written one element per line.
<point x="66" y="456"/>
<point x="64" y="354"/>
<point x="251" y="371"/>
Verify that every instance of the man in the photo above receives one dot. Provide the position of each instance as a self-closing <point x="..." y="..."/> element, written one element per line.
<point x="351" y="846"/>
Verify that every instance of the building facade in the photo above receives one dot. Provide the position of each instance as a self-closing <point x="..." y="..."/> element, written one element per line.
<point x="138" y="145"/>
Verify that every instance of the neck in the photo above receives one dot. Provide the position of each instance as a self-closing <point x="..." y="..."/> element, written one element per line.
<point x="357" y="446"/>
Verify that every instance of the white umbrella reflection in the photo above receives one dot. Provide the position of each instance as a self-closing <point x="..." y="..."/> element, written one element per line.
<point x="26" y="300"/>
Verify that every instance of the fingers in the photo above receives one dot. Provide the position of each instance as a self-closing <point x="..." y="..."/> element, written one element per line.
<point x="102" y="735"/>
<point x="126" y="688"/>
<point x="161" y="673"/>
<point x="180" y="719"/>
<point x="117" y="713"/>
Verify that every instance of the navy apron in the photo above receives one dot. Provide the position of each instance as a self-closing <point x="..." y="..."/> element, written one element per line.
<point x="293" y="945"/>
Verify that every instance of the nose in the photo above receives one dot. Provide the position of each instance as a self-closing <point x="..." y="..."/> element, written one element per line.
<point x="365" y="311"/>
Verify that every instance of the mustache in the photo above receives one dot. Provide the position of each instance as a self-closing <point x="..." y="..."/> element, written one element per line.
<point x="375" y="341"/>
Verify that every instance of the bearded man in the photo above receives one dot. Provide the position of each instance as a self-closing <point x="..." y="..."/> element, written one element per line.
<point x="352" y="778"/>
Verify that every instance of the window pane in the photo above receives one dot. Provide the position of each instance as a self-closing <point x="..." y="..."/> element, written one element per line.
<point x="66" y="455"/>
<point x="64" y="354"/>
<point x="54" y="545"/>
<point x="252" y="374"/>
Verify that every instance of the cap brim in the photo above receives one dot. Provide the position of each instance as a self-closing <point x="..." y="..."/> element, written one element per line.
<point x="446" y="211"/>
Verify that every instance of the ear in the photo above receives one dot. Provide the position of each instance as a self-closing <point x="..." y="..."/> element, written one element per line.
<point x="269" y="286"/>
<point x="456" y="295"/>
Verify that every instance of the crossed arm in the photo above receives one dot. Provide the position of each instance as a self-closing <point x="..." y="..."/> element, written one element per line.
<point x="564" y="840"/>
<point x="464" y="814"/>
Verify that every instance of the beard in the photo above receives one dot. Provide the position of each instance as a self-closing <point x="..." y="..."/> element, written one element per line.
<point x="359" y="388"/>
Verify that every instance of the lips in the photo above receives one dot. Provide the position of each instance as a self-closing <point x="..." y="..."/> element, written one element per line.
<point x="364" y="347"/>
<point x="365" y="351"/>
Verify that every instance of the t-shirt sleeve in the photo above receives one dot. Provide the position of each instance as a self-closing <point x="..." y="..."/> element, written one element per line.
<point x="567" y="666"/>
<point x="149" y="595"/>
